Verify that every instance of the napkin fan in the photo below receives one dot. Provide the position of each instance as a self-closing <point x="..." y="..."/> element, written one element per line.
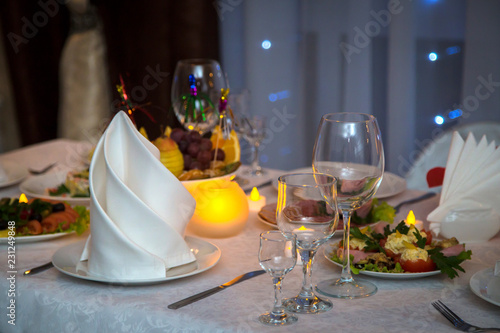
<point x="138" y="210"/>
<point x="471" y="183"/>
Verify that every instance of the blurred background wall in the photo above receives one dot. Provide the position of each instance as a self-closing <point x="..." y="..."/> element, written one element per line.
<point x="421" y="67"/>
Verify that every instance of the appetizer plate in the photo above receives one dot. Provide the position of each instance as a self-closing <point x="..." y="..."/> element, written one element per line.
<point x="207" y="256"/>
<point x="486" y="285"/>
<point x="395" y="276"/>
<point x="35" y="238"/>
<point x="35" y="187"/>
<point x="391" y="184"/>
<point x="15" y="173"/>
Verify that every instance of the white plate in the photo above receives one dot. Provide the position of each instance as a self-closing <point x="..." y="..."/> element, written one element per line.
<point x="396" y="276"/>
<point x="207" y="255"/>
<point x="391" y="184"/>
<point x="35" y="187"/>
<point x="35" y="238"/>
<point x="486" y="285"/>
<point x="15" y="173"/>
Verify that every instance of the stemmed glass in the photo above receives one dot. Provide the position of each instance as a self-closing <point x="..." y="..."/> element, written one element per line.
<point x="307" y="208"/>
<point x="349" y="147"/>
<point x="196" y="92"/>
<point x="277" y="255"/>
<point x="252" y="128"/>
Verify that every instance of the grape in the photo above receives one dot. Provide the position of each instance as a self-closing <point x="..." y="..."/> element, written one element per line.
<point x="205" y="144"/>
<point x="193" y="149"/>
<point x="177" y="134"/>
<point x="220" y="154"/>
<point x="195" y="165"/>
<point x="183" y="146"/>
<point x="204" y="156"/>
<point x="187" y="161"/>
<point x="194" y="136"/>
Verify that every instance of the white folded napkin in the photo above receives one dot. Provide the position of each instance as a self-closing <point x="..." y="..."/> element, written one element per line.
<point x="470" y="200"/>
<point x="3" y="174"/>
<point x="138" y="210"/>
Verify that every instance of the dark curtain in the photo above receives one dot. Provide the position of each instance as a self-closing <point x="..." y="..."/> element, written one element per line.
<point x="34" y="37"/>
<point x="144" y="42"/>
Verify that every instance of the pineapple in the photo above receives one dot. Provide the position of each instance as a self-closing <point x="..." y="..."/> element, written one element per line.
<point x="170" y="155"/>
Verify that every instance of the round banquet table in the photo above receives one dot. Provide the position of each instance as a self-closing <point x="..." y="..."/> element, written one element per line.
<point x="51" y="301"/>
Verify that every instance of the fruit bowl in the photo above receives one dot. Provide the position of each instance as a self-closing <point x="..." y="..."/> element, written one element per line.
<point x="191" y="185"/>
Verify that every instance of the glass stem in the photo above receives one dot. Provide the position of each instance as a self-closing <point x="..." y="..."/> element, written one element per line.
<point x="346" y="262"/>
<point x="255" y="158"/>
<point x="307" y="257"/>
<point x="278" y="309"/>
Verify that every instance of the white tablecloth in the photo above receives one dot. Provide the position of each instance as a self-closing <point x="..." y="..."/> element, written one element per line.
<point x="53" y="302"/>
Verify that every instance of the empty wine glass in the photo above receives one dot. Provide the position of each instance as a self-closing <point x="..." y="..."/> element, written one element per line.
<point x="252" y="128"/>
<point x="307" y="208"/>
<point x="277" y="255"/>
<point x="196" y="91"/>
<point x="349" y="147"/>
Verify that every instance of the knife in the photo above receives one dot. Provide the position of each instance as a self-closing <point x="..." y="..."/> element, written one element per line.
<point x="38" y="269"/>
<point x="212" y="291"/>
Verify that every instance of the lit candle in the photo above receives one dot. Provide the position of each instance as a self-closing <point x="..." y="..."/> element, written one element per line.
<point x="221" y="209"/>
<point x="410" y="220"/>
<point x="255" y="200"/>
<point x="22" y="198"/>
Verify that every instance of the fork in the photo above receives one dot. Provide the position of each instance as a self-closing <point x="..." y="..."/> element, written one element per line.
<point x="458" y="322"/>
<point x="42" y="171"/>
<point x="420" y="198"/>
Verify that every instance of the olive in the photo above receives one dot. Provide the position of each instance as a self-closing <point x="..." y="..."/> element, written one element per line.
<point x="58" y="207"/>
<point x="36" y="216"/>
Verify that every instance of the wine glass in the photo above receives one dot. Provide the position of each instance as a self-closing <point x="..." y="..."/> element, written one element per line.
<point x="349" y="147"/>
<point x="307" y="208"/>
<point x="196" y="92"/>
<point x="251" y="127"/>
<point x="277" y="255"/>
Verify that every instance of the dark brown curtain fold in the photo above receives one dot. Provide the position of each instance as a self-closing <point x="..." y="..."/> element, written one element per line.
<point x="34" y="37"/>
<point x="144" y="42"/>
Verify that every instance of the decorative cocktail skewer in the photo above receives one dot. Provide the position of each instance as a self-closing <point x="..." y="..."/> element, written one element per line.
<point x="193" y="101"/>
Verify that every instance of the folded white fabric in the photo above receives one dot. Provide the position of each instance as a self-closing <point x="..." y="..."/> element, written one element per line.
<point x="469" y="208"/>
<point x="138" y="211"/>
<point x="3" y="174"/>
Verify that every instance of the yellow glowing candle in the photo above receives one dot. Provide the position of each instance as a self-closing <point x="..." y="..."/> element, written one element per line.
<point x="410" y="220"/>
<point x="22" y="198"/>
<point x="221" y="209"/>
<point x="255" y="200"/>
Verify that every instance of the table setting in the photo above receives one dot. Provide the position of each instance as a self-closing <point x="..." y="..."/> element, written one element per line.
<point x="212" y="245"/>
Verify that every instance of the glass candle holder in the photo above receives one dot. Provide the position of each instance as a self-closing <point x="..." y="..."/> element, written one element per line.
<point x="221" y="209"/>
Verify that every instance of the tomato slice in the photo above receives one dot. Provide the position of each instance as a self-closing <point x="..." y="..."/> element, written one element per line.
<point x="429" y="236"/>
<point x="418" y="266"/>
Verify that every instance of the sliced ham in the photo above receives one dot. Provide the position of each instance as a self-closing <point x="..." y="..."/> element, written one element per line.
<point x="379" y="227"/>
<point x="357" y="255"/>
<point x="454" y="250"/>
<point x="364" y="210"/>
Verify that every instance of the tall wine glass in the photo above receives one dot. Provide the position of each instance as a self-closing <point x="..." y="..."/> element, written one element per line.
<point x="196" y="92"/>
<point x="349" y="147"/>
<point x="277" y="255"/>
<point x="307" y="208"/>
<point x="252" y="128"/>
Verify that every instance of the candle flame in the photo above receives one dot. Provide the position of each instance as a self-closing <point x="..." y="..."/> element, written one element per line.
<point x="302" y="228"/>
<point x="254" y="195"/>
<point x="22" y="198"/>
<point x="410" y="219"/>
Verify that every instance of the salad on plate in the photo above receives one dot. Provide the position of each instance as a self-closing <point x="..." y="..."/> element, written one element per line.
<point x="403" y="249"/>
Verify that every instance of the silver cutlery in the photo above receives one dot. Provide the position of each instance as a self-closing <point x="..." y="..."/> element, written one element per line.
<point x="42" y="171"/>
<point x="458" y="322"/>
<point x="38" y="269"/>
<point x="212" y="291"/>
<point x="417" y="199"/>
